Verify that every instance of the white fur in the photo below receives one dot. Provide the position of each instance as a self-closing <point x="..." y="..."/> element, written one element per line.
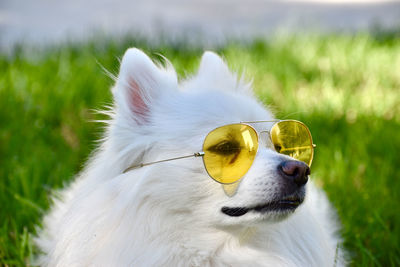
<point x="169" y="214"/>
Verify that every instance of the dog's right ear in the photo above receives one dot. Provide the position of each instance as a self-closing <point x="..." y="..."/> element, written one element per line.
<point x="140" y="82"/>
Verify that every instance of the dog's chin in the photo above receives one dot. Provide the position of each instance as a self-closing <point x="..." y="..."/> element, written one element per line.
<point x="274" y="210"/>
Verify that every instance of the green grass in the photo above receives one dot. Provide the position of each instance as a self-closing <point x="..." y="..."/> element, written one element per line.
<point x="346" y="88"/>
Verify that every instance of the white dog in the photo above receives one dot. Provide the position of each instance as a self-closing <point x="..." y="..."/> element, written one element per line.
<point x="172" y="213"/>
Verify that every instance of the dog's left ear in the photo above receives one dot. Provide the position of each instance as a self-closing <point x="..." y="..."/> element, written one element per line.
<point x="212" y="67"/>
<point x="215" y="74"/>
<point x="140" y="84"/>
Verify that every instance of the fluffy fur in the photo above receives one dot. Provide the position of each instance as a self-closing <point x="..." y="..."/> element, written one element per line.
<point x="169" y="214"/>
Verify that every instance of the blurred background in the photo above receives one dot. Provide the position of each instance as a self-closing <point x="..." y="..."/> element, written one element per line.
<point x="333" y="64"/>
<point x="208" y="22"/>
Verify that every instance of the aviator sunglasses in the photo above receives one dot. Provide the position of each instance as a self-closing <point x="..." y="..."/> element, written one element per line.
<point x="230" y="150"/>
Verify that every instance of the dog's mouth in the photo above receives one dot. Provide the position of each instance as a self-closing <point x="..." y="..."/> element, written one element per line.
<point x="283" y="205"/>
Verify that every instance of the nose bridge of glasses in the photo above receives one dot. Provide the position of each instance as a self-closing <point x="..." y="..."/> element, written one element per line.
<point x="264" y="138"/>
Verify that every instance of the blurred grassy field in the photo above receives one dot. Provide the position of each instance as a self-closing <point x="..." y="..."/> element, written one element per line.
<point x="346" y="88"/>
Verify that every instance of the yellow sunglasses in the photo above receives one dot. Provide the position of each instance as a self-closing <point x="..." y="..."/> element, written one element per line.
<point x="230" y="150"/>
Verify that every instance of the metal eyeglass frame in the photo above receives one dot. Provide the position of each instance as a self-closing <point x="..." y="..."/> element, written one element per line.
<point x="201" y="153"/>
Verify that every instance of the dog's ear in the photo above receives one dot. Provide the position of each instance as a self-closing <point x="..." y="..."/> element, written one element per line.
<point x="214" y="73"/>
<point x="140" y="83"/>
<point x="212" y="67"/>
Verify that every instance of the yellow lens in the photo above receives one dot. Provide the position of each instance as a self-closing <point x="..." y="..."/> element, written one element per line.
<point x="229" y="151"/>
<point x="293" y="138"/>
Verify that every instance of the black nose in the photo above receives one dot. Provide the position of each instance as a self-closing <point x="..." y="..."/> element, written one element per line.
<point x="294" y="170"/>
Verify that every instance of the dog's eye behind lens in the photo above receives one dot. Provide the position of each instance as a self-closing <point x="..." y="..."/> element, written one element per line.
<point x="277" y="148"/>
<point x="225" y="148"/>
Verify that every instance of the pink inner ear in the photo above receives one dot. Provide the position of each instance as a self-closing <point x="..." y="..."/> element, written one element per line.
<point x="137" y="103"/>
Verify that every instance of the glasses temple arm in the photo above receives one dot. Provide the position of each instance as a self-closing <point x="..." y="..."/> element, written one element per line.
<point x="198" y="154"/>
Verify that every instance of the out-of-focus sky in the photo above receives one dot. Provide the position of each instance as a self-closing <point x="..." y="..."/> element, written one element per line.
<point x="46" y="21"/>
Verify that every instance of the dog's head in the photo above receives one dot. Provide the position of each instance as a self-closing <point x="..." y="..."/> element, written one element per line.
<point x="158" y="118"/>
